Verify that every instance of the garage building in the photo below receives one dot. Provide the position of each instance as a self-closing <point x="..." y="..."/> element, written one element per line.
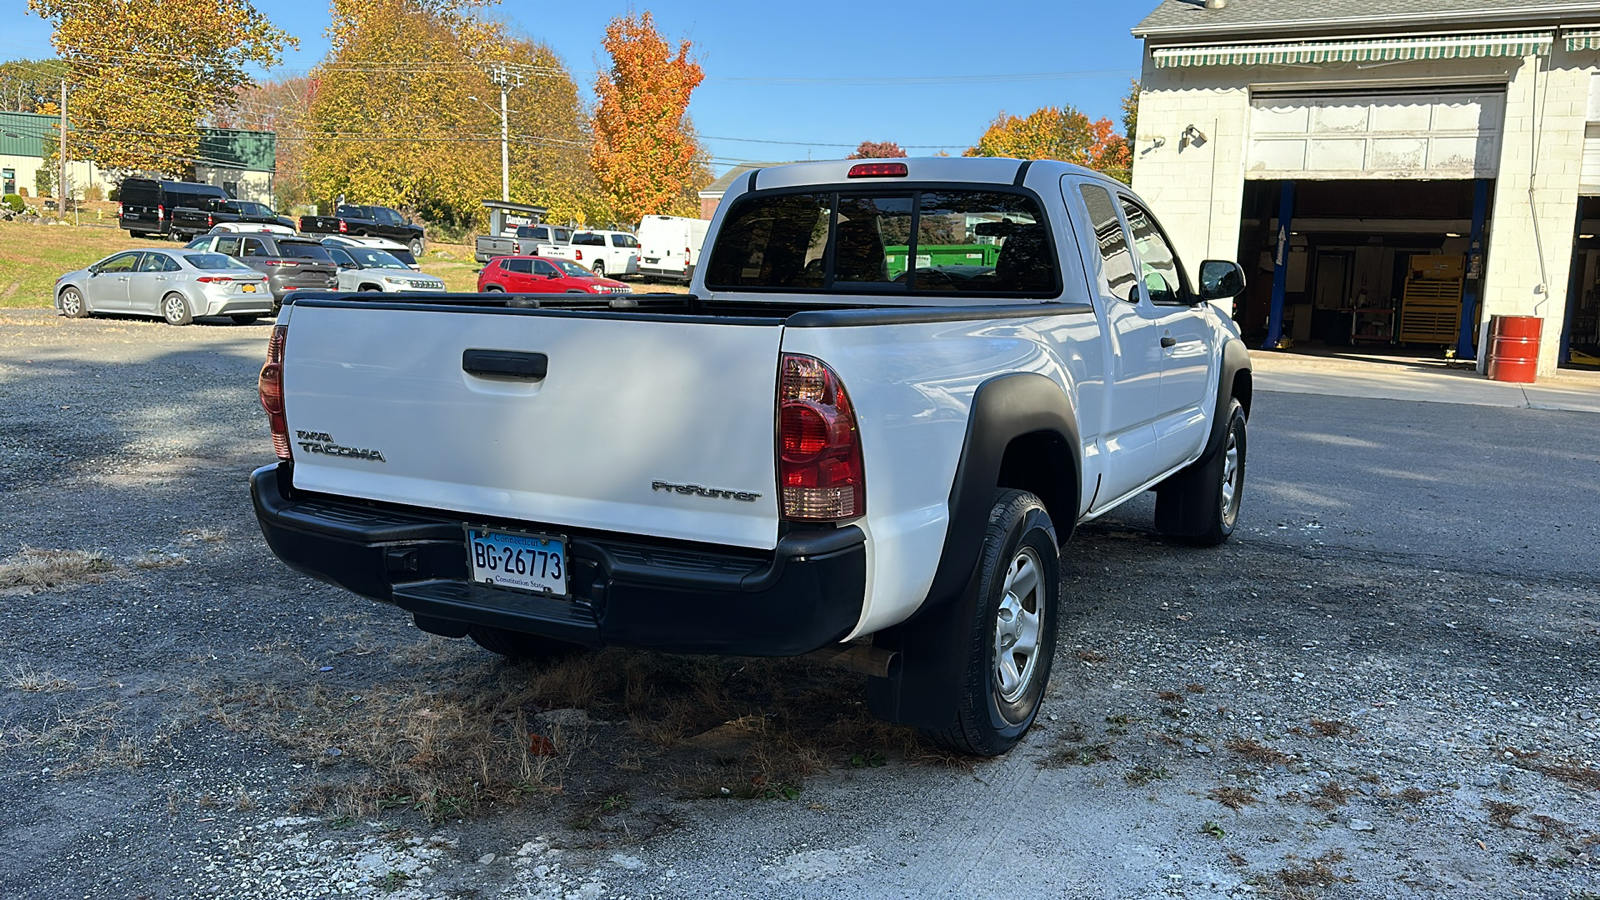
<point x="1392" y="174"/>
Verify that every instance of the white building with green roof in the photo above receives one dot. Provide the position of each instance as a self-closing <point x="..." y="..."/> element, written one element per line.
<point x="240" y="162"/>
<point x="1391" y="174"/>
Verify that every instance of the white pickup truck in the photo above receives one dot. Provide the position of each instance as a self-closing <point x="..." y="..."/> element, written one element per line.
<point x="815" y="451"/>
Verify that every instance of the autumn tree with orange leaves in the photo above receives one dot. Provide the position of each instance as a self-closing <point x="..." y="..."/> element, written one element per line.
<point x="1058" y="133"/>
<point x="646" y="155"/>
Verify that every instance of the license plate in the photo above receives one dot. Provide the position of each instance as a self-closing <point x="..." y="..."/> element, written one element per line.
<point x="249" y="289"/>
<point x="526" y="562"/>
<point x="650" y="259"/>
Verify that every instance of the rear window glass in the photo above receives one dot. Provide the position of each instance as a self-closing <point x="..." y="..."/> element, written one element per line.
<point x="213" y="261"/>
<point x="404" y="256"/>
<point x="921" y="242"/>
<point x="304" y="251"/>
<point x="140" y="192"/>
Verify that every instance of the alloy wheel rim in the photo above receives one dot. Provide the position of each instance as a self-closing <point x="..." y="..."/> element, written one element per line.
<point x="70" y="302"/>
<point x="1018" y="626"/>
<point x="174" y="309"/>
<point x="1230" y="477"/>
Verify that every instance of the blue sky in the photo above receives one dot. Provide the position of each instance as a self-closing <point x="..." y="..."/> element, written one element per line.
<point x="819" y="76"/>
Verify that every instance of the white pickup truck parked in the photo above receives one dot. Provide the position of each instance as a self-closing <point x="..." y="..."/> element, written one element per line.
<point x="817" y="450"/>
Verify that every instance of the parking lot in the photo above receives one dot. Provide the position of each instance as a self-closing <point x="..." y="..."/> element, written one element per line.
<point x="1384" y="686"/>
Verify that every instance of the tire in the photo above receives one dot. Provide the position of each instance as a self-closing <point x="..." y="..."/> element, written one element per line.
<point x="72" y="305"/>
<point x="416" y="247"/>
<point x="493" y="289"/>
<point x="139" y="234"/>
<point x="244" y="319"/>
<point x="1013" y="635"/>
<point x="1200" y="505"/>
<point x="599" y="267"/>
<point x="520" y="647"/>
<point x="175" y="309"/>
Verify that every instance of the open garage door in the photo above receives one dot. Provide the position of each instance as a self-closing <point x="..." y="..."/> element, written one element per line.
<point x="1375" y="135"/>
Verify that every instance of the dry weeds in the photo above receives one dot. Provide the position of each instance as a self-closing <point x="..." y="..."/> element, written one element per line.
<point x="23" y="678"/>
<point x="38" y="569"/>
<point x="1316" y="872"/>
<point x="1234" y="798"/>
<point x="1331" y="728"/>
<point x="1502" y="813"/>
<point x="459" y="730"/>
<point x="1261" y="753"/>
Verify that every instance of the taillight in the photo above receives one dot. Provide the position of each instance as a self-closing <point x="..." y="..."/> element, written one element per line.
<point x="214" y="279"/>
<point x="344" y="227"/>
<point x="211" y="221"/>
<point x="271" y="387"/>
<point x="161" y="212"/>
<point x="820" y="474"/>
<point x="580" y="255"/>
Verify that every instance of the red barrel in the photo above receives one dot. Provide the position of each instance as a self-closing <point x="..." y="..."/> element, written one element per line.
<point x="1514" y="343"/>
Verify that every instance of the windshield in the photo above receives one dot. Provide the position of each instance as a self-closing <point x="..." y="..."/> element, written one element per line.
<point x="572" y="268"/>
<point x="375" y="259"/>
<point x="214" y="261"/>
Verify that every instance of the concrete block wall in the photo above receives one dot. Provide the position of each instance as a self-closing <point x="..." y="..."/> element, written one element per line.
<point x="1196" y="191"/>
<point x="1542" y="148"/>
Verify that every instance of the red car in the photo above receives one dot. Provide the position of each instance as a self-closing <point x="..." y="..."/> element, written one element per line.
<point x="536" y="275"/>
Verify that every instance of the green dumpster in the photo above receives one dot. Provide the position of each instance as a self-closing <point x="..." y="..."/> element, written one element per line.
<point x="932" y="256"/>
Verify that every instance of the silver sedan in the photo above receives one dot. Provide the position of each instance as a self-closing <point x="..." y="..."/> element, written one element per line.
<point x="175" y="285"/>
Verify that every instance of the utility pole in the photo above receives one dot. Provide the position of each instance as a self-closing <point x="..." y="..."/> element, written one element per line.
<point x="61" y="193"/>
<point x="505" y="79"/>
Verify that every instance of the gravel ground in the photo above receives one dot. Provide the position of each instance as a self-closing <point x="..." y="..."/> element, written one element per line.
<point x="1384" y="686"/>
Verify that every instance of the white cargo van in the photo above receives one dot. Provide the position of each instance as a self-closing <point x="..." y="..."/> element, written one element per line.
<point x="669" y="246"/>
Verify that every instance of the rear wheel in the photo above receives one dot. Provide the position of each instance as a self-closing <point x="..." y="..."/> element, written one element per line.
<point x="244" y="319"/>
<point x="1014" y="633"/>
<point x="1200" y="505"/>
<point x="139" y="234"/>
<point x="72" y="305"/>
<point x="175" y="309"/>
<point x="599" y="267"/>
<point x="520" y="647"/>
<point x="416" y="247"/>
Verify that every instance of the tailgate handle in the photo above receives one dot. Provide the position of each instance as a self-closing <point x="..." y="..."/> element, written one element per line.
<point x="505" y="363"/>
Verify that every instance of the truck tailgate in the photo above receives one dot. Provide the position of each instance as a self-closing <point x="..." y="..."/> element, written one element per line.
<point x="640" y="425"/>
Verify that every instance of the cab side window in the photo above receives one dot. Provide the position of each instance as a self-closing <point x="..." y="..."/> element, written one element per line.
<point x="1158" y="265"/>
<point x="1116" y="261"/>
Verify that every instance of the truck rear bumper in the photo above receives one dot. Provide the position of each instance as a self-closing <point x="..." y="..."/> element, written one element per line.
<point x="627" y="592"/>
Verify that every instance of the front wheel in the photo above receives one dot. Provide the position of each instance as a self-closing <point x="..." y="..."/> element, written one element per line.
<point x="175" y="309"/>
<point x="520" y="647"/>
<point x="1014" y="632"/>
<point x="1200" y="505"/>
<point x="72" y="305"/>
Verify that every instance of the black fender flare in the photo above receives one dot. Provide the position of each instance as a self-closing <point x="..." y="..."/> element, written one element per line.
<point x="1235" y="358"/>
<point x="933" y="641"/>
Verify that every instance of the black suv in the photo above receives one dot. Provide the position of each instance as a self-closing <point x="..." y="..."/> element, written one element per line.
<point x="148" y="205"/>
<point x="290" y="263"/>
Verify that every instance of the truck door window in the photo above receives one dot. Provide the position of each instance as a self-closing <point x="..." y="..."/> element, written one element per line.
<point x="1158" y="265"/>
<point x="1116" y="261"/>
<point x="624" y="240"/>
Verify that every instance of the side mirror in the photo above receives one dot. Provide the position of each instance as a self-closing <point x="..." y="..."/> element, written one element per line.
<point x="1220" y="279"/>
<point x="554" y="275"/>
<point x="94" y="270"/>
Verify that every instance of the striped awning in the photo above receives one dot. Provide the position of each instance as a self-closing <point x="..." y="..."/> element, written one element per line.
<point x="1582" y="38"/>
<point x="1452" y="46"/>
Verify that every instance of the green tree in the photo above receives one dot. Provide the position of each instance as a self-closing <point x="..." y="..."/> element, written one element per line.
<point x="27" y="85"/>
<point x="1130" y="113"/>
<point x="146" y="75"/>
<point x="646" y="154"/>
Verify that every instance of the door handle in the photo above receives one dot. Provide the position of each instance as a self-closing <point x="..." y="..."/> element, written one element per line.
<point x="505" y="363"/>
<point x="1169" y="342"/>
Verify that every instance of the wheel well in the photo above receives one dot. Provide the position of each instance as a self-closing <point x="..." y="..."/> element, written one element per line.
<point x="1042" y="463"/>
<point x="369" y="286"/>
<point x="1243" y="388"/>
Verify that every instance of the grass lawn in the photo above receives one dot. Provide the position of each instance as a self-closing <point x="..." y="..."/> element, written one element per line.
<point x="32" y="257"/>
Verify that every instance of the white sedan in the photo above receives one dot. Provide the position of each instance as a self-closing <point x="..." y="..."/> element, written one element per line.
<point x="175" y="285"/>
